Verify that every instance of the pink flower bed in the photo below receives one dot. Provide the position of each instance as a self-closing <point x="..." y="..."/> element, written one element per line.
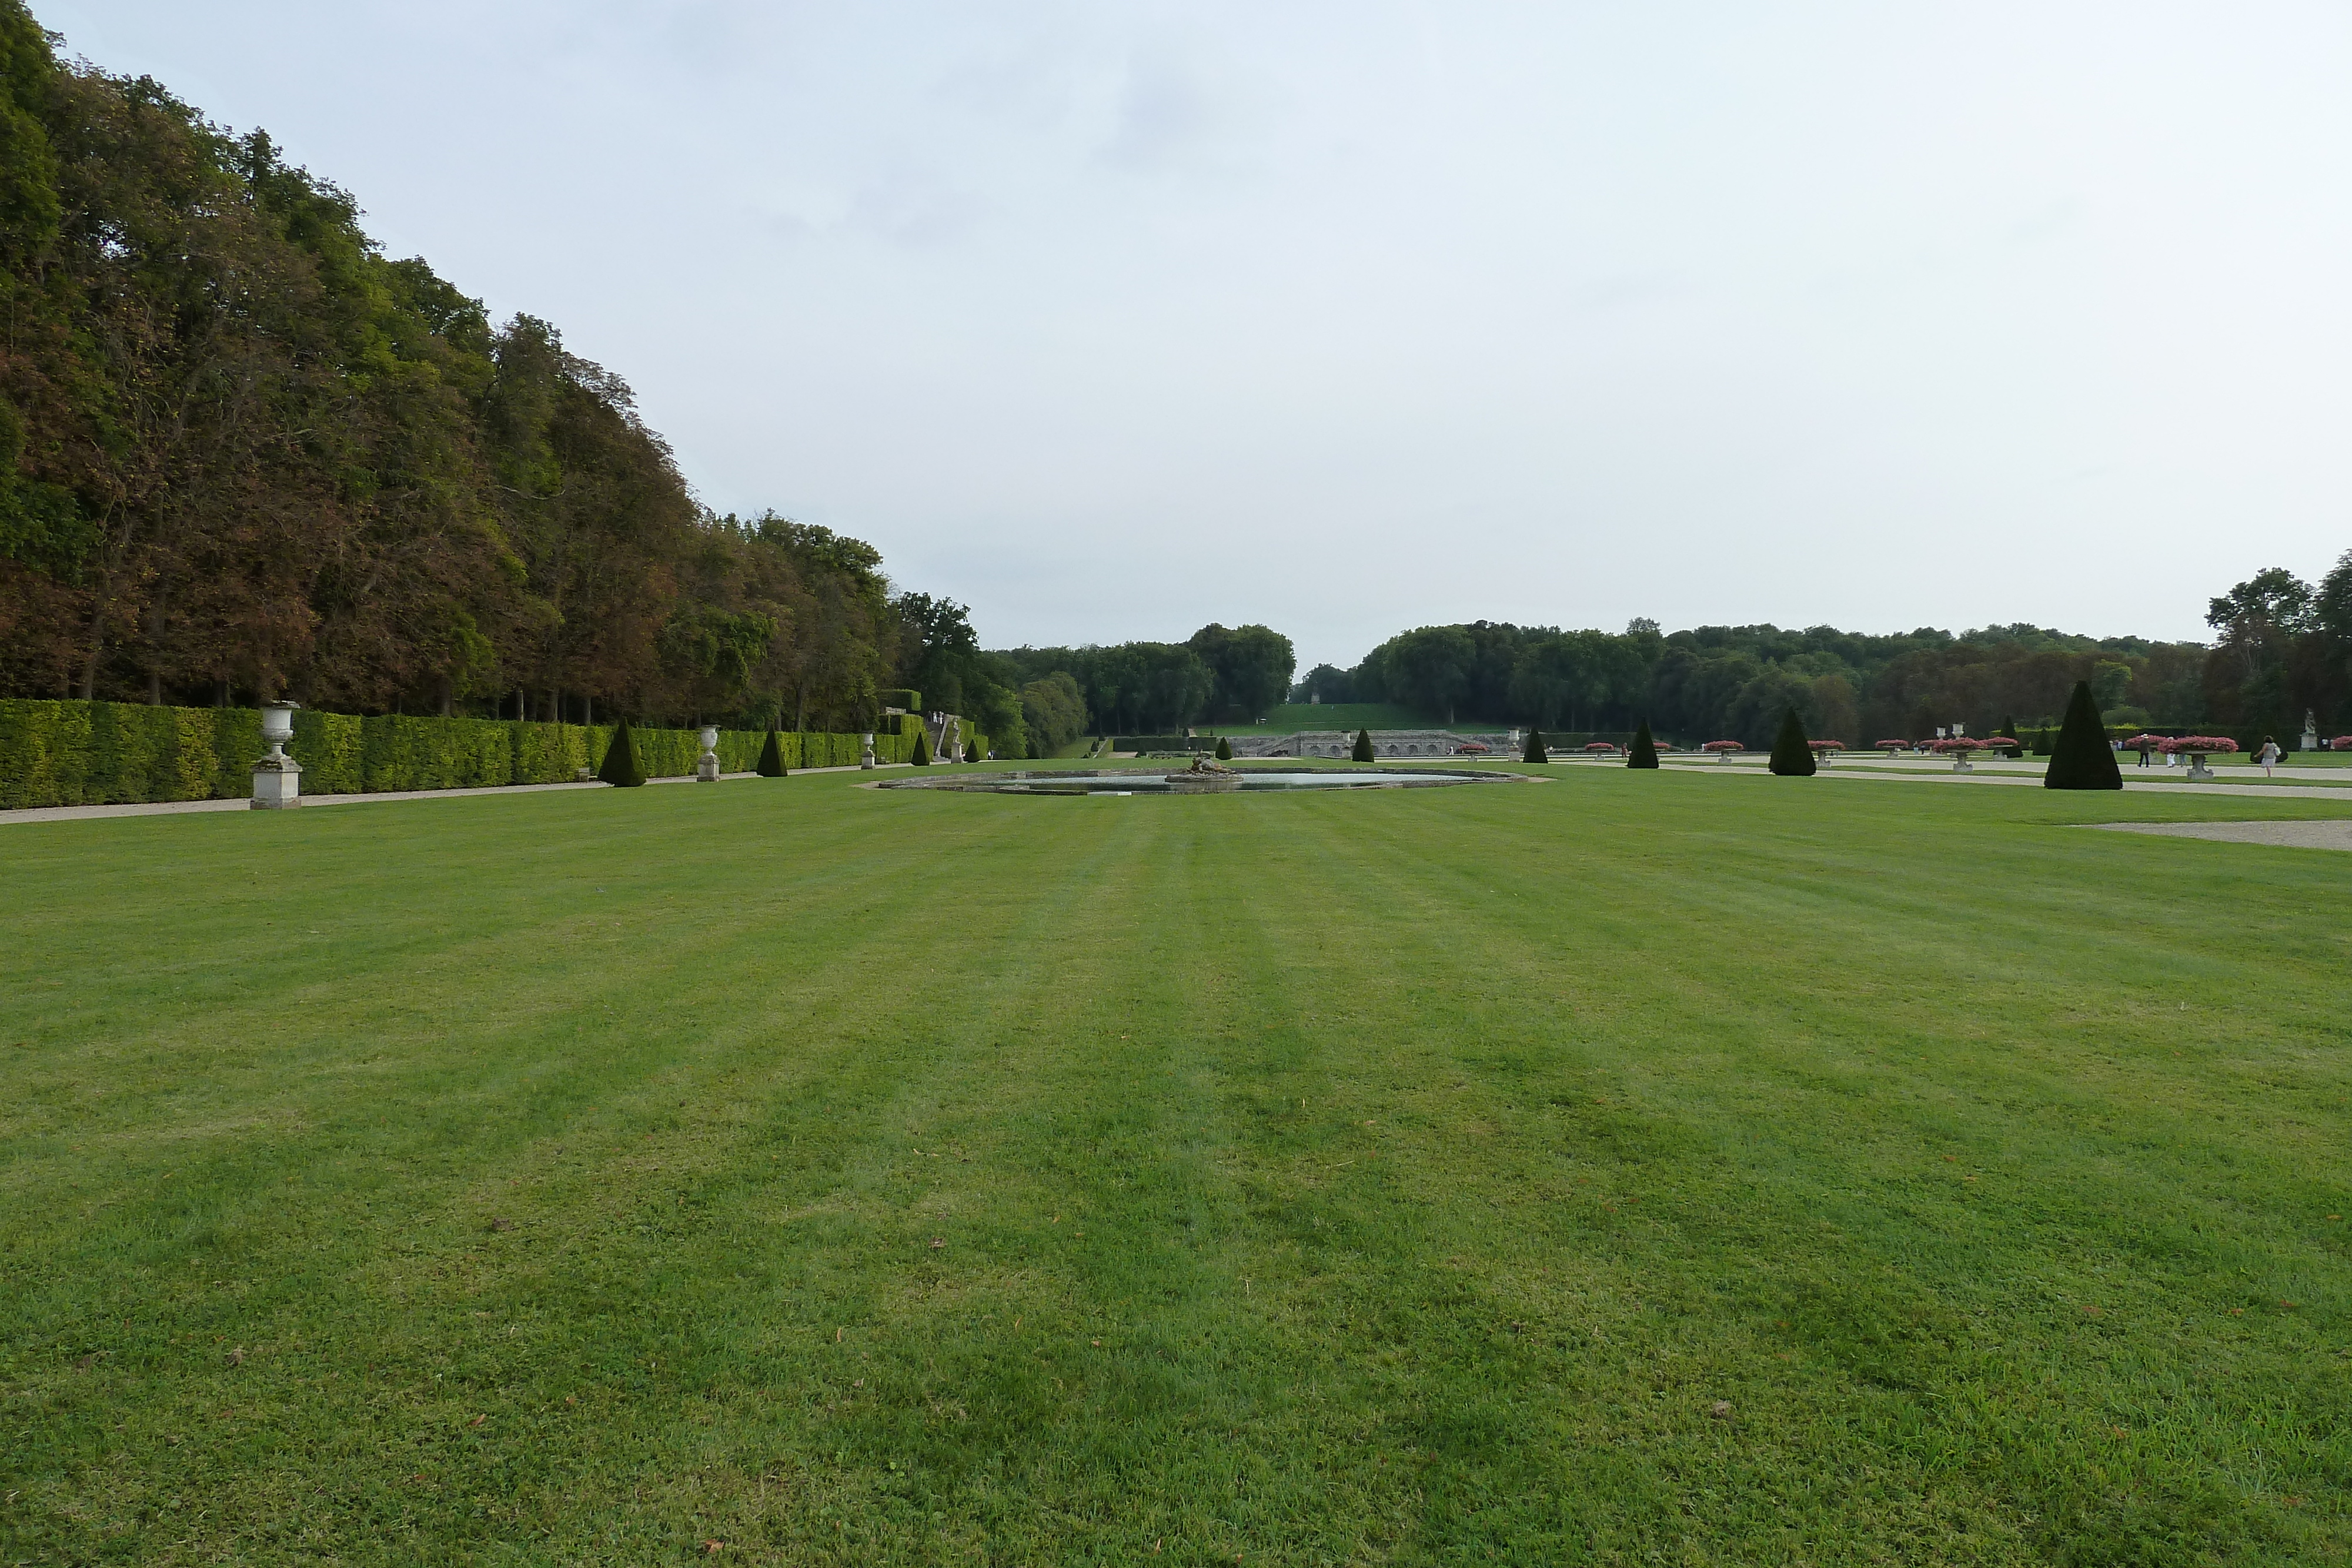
<point x="2137" y="741"/>
<point x="1599" y="746"/>
<point x="1965" y="743"/>
<point x="1722" y="745"/>
<point x="1826" y="745"/>
<point x="1894" y="745"/>
<point x="2199" y="743"/>
<point x="2341" y="743"/>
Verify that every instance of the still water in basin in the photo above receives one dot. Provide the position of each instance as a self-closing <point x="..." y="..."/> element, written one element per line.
<point x="1158" y="782"/>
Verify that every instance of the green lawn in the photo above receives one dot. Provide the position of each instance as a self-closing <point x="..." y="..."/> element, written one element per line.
<point x="1625" y="1169"/>
<point x="1291" y="717"/>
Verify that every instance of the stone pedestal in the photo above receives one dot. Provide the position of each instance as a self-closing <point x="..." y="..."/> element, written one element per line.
<point x="2198" y="771"/>
<point x="277" y="783"/>
<point x="706" y="766"/>
<point x="1961" y="766"/>
<point x="866" y="760"/>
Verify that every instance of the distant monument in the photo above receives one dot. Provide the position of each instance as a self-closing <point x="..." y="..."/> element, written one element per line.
<point x="2310" y="731"/>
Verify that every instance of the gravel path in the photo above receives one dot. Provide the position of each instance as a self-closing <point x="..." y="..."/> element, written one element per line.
<point x="2294" y="835"/>
<point x="2031" y="780"/>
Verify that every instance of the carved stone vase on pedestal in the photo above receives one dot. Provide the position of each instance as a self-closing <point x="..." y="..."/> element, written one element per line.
<point x="276" y="778"/>
<point x="706" y="766"/>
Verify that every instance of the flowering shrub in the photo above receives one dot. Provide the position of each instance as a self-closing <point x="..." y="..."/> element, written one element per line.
<point x="1891" y="746"/>
<point x="1826" y="745"/>
<point x="1964" y="742"/>
<point x="1722" y="745"/>
<point x="2137" y="741"/>
<point x="2002" y="742"/>
<point x="2199" y="743"/>
<point x="2341" y="743"/>
<point x="1599" y="746"/>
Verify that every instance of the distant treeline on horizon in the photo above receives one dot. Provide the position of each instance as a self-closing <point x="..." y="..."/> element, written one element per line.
<point x="2284" y="647"/>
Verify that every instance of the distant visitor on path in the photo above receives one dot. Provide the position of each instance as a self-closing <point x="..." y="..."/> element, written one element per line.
<point x="2145" y="746"/>
<point x="2268" y="756"/>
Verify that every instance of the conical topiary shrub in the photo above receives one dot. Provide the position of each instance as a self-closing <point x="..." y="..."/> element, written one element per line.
<point x="1645" y="748"/>
<point x="922" y="758"/>
<point x="1534" y="751"/>
<point x="1224" y="749"/>
<point x="1792" y="754"/>
<point x="971" y="751"/>
<point x="1363" y="752"/>
<point x="2082" y="758"/>
<point x="2009" y="731"/>
<point x="772" y="756"/>
<point x="623" y="767"/>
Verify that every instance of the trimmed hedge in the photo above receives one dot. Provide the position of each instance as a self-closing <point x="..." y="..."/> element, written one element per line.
<point x="98" y="753"/>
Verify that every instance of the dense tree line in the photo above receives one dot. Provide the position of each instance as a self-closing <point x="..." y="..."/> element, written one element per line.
<point x="2284" y="649"/>
<point x="243" y="454"/>
<point x="2284" y="646"/>
<point x="1228" y="673"/>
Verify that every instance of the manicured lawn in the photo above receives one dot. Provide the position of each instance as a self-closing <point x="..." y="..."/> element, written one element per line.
<point x="1291" y="717"/>
<point x="1627" y="1168"/>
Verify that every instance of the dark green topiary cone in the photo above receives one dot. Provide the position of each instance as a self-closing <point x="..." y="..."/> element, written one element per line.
<point x="2082" y="758"/>
<point x="1645" y="750"/>
<point x="772" y="756"/>
<point x="1363" y="752"/>
<point x="623" y="767"/>
<point x="1792" y="755"/>
<point x="922" y="758"/>
<point x="1535" y="751"/>
<point x="1224" y="749"/>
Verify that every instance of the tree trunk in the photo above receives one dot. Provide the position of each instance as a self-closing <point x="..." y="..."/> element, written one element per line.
<point x="96" y="650"/>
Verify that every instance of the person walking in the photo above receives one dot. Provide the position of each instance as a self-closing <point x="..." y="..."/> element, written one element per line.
<point x="2268" y="755"/>
<point x="2145" y="746"/>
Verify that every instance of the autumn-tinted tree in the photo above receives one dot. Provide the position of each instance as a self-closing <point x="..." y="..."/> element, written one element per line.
<point x="242" y="454"/>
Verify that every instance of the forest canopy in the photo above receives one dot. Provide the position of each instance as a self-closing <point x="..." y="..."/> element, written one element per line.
<point x="245" y="455"/>
<point x="2284" y="647"/>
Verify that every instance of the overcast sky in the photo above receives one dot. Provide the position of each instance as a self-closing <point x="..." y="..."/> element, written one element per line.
<point x="1114" y="319"/>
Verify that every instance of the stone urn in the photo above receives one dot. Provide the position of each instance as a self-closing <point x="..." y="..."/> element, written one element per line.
<point x="276" y="778"/>
<point x="706" y="766"/>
